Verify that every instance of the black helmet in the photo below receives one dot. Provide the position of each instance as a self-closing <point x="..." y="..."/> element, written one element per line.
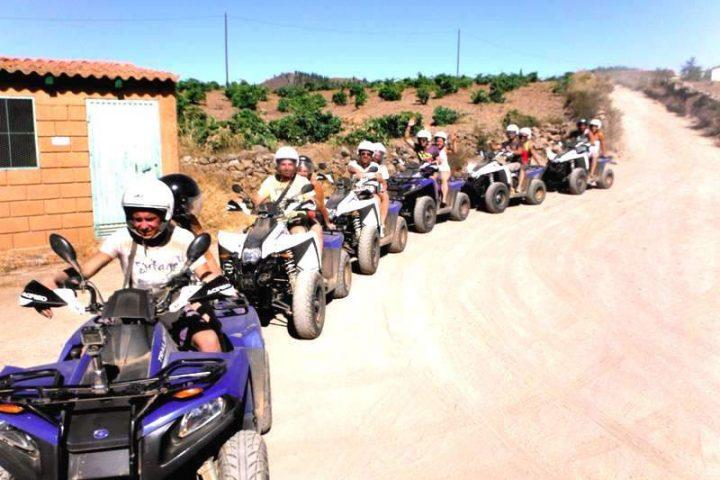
<point x="307" y="163"/>
<point x="188" y="198"/>
<point x="582" y="121"/>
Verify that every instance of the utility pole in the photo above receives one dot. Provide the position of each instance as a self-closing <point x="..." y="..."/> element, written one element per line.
<point x="227" y="71"/>
<point x="457" y="68"/>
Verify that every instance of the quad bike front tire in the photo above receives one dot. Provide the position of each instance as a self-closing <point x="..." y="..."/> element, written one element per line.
<point x="264" y="419"/>
<point x="368" y="252"/>
<point x="461" y="207"/>
<point x="577" y="182"/>
<point x="536" y="192"/>
<point x="607" y="178"/>
<point x="243" y="457"/>
<point x="308" y="305"/>
<point x="497" y="197"/>
<point x="400" y="237"/>
<point x="424" y="214"/>
<point x="344" y="276"/>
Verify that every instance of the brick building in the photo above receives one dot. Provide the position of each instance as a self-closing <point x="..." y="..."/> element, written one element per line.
<point x="72" y="133"/>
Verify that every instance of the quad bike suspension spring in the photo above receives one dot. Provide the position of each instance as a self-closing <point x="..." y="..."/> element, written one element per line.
<point x="290" y="265"/>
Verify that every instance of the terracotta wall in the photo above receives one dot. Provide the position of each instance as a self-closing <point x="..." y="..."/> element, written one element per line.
<point x="56" y="197"/>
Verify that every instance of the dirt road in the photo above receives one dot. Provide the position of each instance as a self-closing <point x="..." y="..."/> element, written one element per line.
<point x="578" y="339"/>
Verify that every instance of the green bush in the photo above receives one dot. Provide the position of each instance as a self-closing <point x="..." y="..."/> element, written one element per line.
<point x="445" y="116"/>
<point x="445" y="85"/>
<point x="480" y="96"/>
<point x="520" y="119"/>
<point x="245" y="95"/>
<point x="307" y="126"/>
<point x="251" y="129"/>
<point x="496" y="94"/>
<point x="356" y="89"/>
<point x="381" y="129"/>
<point x="361" y="98"/>
<point x="423" y="94"/>
<point x="390" y="91"/>
<point x="291" y="91"/>
<point x="340" y="98"/>
<point x="562" y="83"/>
<point x="301" y="103"/>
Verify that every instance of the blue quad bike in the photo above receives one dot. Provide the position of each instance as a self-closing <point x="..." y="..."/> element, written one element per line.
<point x="419" y="194"/>
<point x="355" y="211"/>
<point x="490" y="183"/>
<point x="124" y="401"/>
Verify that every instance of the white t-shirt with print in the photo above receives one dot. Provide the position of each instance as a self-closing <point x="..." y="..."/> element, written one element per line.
<point x="152" y="266"/>
<point x="382" y="170"/>
<point x="443" y="164"/>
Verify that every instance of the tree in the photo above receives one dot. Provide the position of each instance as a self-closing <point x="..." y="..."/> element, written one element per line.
<point x="691" y="71"/>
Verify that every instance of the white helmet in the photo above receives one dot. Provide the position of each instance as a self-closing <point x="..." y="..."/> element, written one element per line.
<point x="366" y="145"/>
<point x="148" y="193"/>
<point x="595" y="123"/>
<point x="526" y="132"/>
<point x="512" y="128"/>
<point x="287" y="153"/>
<point x="379" y="147"/>
<point x="442" y="135"/>
<point x="424" y="134"/>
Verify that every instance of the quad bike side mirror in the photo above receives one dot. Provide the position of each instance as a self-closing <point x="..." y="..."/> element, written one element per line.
<point x="237" y="188"/>
<point x="322" y="166"/>
<point x="307" y="189"/>
<point x="64" y="249"/>
<point x="373" y="169"/>
<point x="197" y="248"/>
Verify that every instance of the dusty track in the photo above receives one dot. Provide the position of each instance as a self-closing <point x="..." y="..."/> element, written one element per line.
<point x="578" y="339"/>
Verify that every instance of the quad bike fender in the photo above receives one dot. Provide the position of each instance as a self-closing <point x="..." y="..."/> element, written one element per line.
<point x="370" y="214"/>
<point x="303" y="245"/>
<point x="231" y="241"/>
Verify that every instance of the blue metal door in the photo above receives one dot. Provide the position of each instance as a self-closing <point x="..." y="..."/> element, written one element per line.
<point x="124" y="142"/>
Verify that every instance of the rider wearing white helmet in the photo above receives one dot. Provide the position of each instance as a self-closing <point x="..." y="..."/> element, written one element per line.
<point x="286" y="183"/>
<point x="154" y="250"/>
<point x="524" y="153"/>
<point x="597" y="146"/>
<point x="379" y="158"/>
<point x="511" y="139"/>
<point x="421" y="143"/>
<point x="440" y="142"/>
<point x="285" y="178"/>
<point x="359" y="169"/>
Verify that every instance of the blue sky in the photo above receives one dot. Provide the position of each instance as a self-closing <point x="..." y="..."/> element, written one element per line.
<point x="372" y="39"/>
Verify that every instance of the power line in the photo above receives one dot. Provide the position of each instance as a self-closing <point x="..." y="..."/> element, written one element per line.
<point x="108" y="20"/>
<point x="340" y="30"/>
<point x="523" y="53"/>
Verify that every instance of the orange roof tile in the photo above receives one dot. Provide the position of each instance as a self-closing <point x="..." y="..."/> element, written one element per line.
<point x="82" y="68"/>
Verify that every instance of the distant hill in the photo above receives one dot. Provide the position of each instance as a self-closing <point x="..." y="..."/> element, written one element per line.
<point x="301" y="78"/>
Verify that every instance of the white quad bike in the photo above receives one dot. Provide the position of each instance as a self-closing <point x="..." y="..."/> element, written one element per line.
<point x="280" y="272"/>
<point x="355" y="211"/>
<point x="569" y="169"/>
<point x="490" y="183"/>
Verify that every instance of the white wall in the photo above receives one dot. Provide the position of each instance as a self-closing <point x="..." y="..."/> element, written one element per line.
<point x="715" y="74"/>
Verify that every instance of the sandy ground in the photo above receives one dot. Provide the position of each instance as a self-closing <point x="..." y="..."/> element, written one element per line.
<point x="578" y="339"/>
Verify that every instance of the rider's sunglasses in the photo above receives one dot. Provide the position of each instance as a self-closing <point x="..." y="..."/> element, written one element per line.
<point x="365" y="153"/>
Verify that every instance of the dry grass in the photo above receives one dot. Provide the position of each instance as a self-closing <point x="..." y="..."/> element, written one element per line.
<point x="216" y="191"/>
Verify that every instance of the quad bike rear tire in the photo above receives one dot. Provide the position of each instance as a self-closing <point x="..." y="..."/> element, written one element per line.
<point x="399" y="237"/>
<point x="536" y="192"/>
<point x="497" y="197"/>
<point x="607" y="178"/>
<point x="344" y="276"/>
<point x="243" y="457"/>
<point x="424" y="214"/>
<point x="577" y="182"/>
<point x="308" y="305"/>
<point x="461" y="207"/>
<point x="368" y="254"/>
<point x="264" y="420"/>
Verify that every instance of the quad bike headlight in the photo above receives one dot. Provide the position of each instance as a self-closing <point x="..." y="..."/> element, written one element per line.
<point x="251" y="255"/>
<point x="17" y="439"/>
<point x="200" y="416"/>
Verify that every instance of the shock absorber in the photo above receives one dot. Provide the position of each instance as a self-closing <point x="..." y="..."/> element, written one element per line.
<point x="289" y="264"/>
<point x="357" y="226"/>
